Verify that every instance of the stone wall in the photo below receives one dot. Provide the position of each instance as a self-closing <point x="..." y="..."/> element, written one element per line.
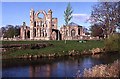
<point x="71" y="32"/>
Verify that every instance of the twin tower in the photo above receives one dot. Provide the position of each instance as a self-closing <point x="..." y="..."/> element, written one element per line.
<point x="42" y="28"/>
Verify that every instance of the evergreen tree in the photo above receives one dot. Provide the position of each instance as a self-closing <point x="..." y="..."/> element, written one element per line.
<point x="68" y="14"/>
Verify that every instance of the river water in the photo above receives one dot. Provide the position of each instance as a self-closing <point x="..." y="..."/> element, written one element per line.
<point x="53" y="67"/>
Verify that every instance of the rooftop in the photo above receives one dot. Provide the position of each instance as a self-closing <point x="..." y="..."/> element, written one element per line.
<point x="73" y="24"/>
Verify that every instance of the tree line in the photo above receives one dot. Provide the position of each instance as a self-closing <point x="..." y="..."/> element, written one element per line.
<point x="10" y="31"/>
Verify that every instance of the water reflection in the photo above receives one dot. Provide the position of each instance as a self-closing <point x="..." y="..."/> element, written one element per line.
<point x="56" y="67"/>
<point x="59" y="69"/>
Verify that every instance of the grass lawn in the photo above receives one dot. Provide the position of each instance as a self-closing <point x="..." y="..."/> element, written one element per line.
<point x="58" y="47"/>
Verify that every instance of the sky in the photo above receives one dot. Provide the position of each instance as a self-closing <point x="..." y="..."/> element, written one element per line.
<point x="15" y="13"/>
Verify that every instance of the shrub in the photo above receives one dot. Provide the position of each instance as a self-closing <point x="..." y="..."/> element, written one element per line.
<point x="112" y="43"/>
<point x="108" y="70"/>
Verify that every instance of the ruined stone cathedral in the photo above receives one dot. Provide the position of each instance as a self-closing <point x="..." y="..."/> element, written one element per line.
<point x="40" y="28"/>
<point x="45" y="28"/>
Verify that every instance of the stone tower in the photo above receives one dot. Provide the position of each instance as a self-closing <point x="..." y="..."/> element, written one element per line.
<point x="55" y="23"/>
<point x="24" y="31"/>
<point x="31" y="24"/>
<point x="49" y="21"/>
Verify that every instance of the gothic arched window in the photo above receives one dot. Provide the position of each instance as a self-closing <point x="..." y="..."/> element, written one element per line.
<point x="66" y="32"/>
<point x="34" y="32"/>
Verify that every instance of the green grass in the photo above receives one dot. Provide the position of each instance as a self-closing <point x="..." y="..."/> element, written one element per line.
<point x="58" y="47"/>
<point x="20" y="42"/>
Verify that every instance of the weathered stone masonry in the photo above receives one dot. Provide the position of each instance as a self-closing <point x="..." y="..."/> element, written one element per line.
<point x="41" y="28"/>
<point x="46" y="28"/>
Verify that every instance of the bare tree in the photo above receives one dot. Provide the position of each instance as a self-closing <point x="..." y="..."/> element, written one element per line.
<point x="96" y="30"/>
<point x="107" y="14"/>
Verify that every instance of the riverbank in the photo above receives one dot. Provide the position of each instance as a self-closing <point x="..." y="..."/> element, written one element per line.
<point x="57" y="48"/>
<point x="56" y="67"/>
<point x="108" y="70"/>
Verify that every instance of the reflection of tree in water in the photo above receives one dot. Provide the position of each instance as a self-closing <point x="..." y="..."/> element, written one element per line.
<point x="78" y="62"/>
<point x="32" y="71"/>
<point x="42" y="71"/>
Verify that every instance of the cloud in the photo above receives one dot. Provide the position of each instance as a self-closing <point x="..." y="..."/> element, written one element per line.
<point x="81" y="17"/>
<point x="2" y="26"/>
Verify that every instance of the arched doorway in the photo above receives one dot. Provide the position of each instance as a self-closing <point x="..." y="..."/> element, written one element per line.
<point x="66" y="32"/>
<point x="54" y="35"/>
<point x="28" y="34"/>
<point x="72" y="32"/>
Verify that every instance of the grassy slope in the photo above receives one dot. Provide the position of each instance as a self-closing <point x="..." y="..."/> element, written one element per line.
<point x="58" y="47"/>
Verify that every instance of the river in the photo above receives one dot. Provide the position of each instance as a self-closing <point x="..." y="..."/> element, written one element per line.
<point x="53" y="67"/>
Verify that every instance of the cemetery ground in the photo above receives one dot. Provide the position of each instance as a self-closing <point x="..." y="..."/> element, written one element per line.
<point x="28" y="49"/>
